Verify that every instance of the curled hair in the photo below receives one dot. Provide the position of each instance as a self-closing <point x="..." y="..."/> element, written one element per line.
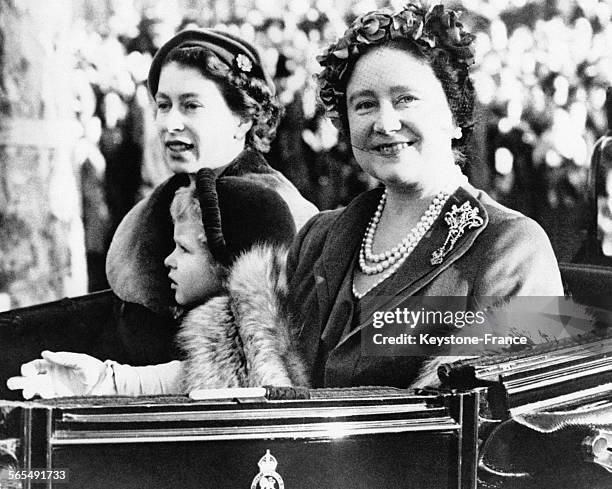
<point x="247" y="97"/>
<point x="434" y="36"/>
<point x="185" y="208"/>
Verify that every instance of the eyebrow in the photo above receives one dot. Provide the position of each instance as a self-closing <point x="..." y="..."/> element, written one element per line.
<point x="180" y="240"/>
<point x="183" y="96"/>
<point x="360" y="93"/>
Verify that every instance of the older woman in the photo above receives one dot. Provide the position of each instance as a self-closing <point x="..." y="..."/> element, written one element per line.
<point x="398" y="86"/>
<point x="215" y="108"/>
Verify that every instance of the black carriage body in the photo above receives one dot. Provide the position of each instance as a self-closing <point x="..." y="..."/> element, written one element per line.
<point x="360" y="440"/>
<point x="546" y="417"/>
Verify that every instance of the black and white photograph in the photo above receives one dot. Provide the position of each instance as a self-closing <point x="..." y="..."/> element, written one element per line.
<point x="269" y="244"/>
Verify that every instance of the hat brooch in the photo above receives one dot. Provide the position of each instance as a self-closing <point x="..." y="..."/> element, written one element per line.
<point x="243" y="63"/>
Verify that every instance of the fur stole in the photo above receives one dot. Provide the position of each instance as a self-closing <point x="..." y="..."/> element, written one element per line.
<point x="243" y="338"/>
<point x="540" y="319"/>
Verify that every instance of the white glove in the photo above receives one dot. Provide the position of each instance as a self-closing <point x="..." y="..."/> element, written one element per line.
<point x="63" y="373"/>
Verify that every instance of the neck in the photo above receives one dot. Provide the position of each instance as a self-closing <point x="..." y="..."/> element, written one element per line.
<point x="237" y="150"/>
<point x="406" y="196"/>
<point x="406" y="204"/>
<point x="219" y="170"/>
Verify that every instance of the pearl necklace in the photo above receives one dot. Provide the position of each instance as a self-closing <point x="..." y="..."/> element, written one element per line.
<point x="389" y="261"/>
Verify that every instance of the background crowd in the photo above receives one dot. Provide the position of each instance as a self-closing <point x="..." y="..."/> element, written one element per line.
<point x="542" y="68"/>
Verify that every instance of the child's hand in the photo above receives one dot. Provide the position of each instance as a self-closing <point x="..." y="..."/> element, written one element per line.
<point x="59" y="374"/>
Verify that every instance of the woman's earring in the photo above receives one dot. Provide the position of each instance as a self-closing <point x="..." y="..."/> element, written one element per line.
<point x="457" y="133"/>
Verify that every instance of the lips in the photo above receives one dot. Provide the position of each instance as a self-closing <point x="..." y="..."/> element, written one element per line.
<point x="178" y="146"/>
<point x="390" y="149"/>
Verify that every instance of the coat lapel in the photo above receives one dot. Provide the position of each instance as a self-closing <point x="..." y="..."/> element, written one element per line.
<point x="418" y="270"/>
<point x="340" y="246"/>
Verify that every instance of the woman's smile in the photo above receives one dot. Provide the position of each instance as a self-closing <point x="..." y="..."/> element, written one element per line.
<point x="392" y="149"/>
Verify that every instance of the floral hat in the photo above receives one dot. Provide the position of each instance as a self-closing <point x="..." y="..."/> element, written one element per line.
<point x="435" y="32"/>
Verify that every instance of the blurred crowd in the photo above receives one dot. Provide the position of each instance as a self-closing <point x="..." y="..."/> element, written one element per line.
<point x="542" y="68"/>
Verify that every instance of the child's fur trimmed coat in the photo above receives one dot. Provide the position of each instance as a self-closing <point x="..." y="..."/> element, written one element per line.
<point x="243" y="338"/>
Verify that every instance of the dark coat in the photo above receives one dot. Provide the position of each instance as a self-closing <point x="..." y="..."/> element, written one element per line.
<point x="508" y="255"/>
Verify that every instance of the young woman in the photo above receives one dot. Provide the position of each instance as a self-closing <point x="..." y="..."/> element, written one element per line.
<point x="215" y="108"/>
<point x="398" y="86"/>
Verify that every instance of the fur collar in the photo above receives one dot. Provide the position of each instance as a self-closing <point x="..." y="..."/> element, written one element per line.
<point x="243" y="338"/>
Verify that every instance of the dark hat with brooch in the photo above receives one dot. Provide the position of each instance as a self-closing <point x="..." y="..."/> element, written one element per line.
<point x="239" y="55"/>
<point x="240" y="212"/>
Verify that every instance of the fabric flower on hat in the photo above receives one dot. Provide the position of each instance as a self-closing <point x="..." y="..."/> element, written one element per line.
<point x="444" y="26"/>
<point x="372" y="28"/>
<point x="328" y="96"/>
<point x="339" y="50"/>
<point x="407" y="24"/>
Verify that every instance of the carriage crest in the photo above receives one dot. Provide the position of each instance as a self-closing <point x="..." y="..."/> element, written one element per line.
<point x="267" y="478"/>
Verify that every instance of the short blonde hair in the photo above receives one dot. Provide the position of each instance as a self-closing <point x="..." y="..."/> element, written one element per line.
<point x="185" y="207"/>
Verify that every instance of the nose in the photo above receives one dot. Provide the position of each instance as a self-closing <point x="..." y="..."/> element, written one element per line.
<point x="387" y="120"/>
<point x="169" y="261"/>
<point x="174" y="121"/>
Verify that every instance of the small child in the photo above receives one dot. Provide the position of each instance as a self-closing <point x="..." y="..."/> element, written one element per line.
<point x="231" y="236"/>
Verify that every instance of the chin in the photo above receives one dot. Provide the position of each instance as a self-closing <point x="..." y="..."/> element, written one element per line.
<point x="183" y="167"/>
<point x="396" y="177"/>
<point x="402" y="185"/>
<point x="181" y="163"/>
